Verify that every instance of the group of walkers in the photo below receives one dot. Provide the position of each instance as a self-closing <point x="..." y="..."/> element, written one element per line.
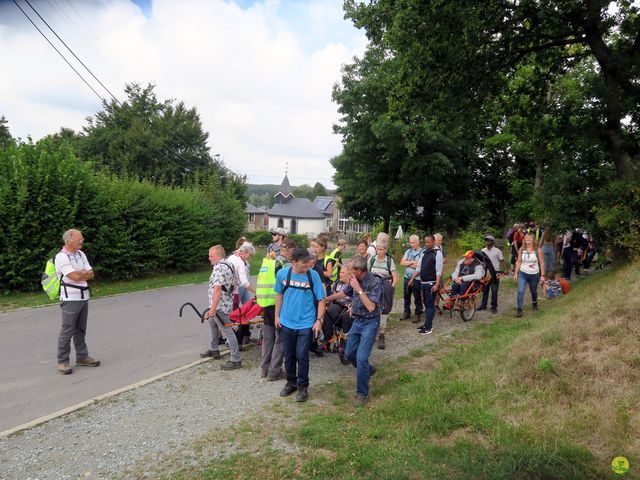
<point x="296" y="285"/>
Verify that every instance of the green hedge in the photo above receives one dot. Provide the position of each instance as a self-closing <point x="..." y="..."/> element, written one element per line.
<point x="263" y="238"/>
<point x="131" y="228"/>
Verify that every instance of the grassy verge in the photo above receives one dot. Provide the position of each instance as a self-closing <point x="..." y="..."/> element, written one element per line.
<point x="11" y="301"/>
<point x="555" y="395"/>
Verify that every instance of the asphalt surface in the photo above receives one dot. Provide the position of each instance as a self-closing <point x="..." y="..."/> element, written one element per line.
<point x="135" y="336"/>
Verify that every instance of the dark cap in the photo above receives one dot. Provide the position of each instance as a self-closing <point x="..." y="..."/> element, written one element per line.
<point x="301" y="253"/>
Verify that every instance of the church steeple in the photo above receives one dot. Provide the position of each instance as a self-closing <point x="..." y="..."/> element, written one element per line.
<point x="285" y="193"/>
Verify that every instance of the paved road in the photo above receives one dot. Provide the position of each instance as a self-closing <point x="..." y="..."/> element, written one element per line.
<point x="136" y="336"/>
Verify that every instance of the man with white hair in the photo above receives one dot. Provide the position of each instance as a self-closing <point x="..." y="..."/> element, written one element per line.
<point x="72" y="263"/>
<point x="411" y="260"/>
<point x="238" y="260"/>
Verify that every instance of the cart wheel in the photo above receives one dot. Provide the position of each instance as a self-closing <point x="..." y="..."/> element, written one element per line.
<point x="468" y="310"/>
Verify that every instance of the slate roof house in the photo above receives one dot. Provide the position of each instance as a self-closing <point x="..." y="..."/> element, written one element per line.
<point x="296" y="215"/>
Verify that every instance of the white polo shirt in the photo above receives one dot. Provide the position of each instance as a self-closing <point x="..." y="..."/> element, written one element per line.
<point x="67" y="262"/>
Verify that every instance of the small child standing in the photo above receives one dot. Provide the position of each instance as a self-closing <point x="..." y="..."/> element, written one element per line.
<point x="551" y="287"/>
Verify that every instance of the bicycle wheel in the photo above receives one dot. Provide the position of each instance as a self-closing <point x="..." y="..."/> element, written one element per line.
<point x="468" y="309"/>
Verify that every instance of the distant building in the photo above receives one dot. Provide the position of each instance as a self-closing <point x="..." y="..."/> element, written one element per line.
<point x="257" y="218"/>
<point x="296" y="215"/>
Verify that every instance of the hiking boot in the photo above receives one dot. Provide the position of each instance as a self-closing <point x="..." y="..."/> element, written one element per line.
<point x="494" y="310"/>
<point x="535" y="307"/>
<point x="230" y="365"/>
<point x="264" y="372"/>
<point x="519" y="314"/>
<point x="372" y="370"/>
<point x="210" y="353"/>
<point x="405" y="316"/>
<point x="278" y="376"/>
<point x="288" y="389"/>
<point x="417" y="318"/>
<point x="361" y="400"/>
<point x="64" y="368"/>
<point x="481" y="307"/>
<point x="302" y="394"/>
<point x="381" y="344"/>
<point x="87" y="362"/>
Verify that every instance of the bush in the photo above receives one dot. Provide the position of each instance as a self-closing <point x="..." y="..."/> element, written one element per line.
<point x="301" y="240"/>
<point x="261" y="238"/>
<point x="617" y="216"/>
<point x="131" y="228"/>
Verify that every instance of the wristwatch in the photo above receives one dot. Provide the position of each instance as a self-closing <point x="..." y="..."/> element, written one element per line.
<point x="360" y="292"/>
<point x="320" y="320"/>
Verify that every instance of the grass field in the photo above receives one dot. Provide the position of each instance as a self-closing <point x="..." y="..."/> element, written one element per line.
<point x="553" y="396"/>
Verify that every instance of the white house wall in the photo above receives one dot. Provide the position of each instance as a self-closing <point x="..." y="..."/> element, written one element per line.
<point x="306" y="226"/>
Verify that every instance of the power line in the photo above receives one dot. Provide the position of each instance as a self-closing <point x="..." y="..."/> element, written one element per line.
<point x="72" y="52"/>
<point x="59" y="53"/>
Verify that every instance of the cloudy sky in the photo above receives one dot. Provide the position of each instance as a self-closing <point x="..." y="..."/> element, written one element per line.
<point x="259" y="72"/>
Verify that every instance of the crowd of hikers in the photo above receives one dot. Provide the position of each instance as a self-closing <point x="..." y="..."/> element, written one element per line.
<point x="316" y="300"/>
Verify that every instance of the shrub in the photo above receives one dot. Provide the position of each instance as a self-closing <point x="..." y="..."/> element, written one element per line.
<point x="131" y="228"/>
<point x="617" y="216"/>
<point x="261" y="238"/>
<point x="300" y="239"/>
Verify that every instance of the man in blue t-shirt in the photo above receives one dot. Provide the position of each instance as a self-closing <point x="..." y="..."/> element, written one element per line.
<point x="300" y="309"/>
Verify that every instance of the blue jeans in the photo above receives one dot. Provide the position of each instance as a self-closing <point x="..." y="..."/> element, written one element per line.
<point x="362" y="336"/>
<point x="414" y="290"/>
<point x="244" y="295"/>
<point x="549" y="257"/>
<point x="296" y="345"/>
<point x="567" y="254"/>
<point x="523" y="280"/>
<point x="429" y="299"/>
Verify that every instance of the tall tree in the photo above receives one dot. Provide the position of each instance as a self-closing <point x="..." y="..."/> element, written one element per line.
<point x="458" y="54"/>
<point x="163" y="142"/>
<point x="5" y="136"/>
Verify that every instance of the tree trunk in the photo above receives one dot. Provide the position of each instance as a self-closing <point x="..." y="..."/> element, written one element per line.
<point x="612" y="77"/>
<point x="386" y="223"/>
<point x="541" y="153"/>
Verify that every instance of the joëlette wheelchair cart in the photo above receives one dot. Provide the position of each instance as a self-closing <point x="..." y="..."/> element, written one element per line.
<point x="465" y="303"/>
<point x="337" y="323"/>
<point x="248" y="314"/>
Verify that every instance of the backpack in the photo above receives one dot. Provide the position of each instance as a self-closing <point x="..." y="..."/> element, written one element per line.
<point x="51" y="280"/>
<point x="232" y="285"/>
<point x="373" y="259"/>
<point x="287" y="284"/>
<point x="388" y="292"/>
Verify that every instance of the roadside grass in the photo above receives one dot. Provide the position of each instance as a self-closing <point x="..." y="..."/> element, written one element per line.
<point x="549" y="396"/>
<point x="104" y="288"/>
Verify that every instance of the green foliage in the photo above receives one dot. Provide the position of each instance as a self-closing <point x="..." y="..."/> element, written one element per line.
<point x="300" y="239"/>
<point x="261" y="238"/>
<point x="131" y="228"/>
<point x="159" y="141"/>
<point x="617" y="216"/>
<point x="470" y="240"/>
<point x="5" y="136"/>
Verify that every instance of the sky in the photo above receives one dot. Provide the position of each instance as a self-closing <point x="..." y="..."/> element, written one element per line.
<point x="260" y="73"/>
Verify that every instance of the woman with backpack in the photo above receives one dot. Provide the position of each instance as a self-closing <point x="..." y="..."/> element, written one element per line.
<point x="327" y="265"/>
<point x="529" y="270"/>
<point x="383" y="266"/>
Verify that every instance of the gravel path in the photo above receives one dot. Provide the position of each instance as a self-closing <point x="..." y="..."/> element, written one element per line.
<point x="140" y="427"/>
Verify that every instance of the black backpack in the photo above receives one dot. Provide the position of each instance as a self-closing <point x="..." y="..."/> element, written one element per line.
<point x="288" y="284"/>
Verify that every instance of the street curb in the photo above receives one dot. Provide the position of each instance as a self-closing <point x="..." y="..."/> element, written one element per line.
<point x="104" y="396"/>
